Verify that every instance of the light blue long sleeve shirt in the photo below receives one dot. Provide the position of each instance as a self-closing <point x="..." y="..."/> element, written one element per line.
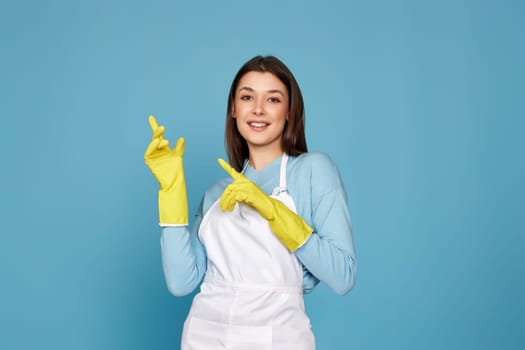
<point x="314" y="183"/>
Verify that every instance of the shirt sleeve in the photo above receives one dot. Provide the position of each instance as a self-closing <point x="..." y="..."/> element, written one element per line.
<point x="329" y="254"/>
<point x="183" y="256"/>
<point x="309" y="280"/>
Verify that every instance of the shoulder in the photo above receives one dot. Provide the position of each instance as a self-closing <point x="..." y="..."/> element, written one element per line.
<point x="318" y="169"/>
<point x="314" y="159"/>
<point x="316" y="164"/>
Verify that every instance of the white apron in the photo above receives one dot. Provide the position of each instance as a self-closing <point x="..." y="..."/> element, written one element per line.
<point x="251" y="297"/>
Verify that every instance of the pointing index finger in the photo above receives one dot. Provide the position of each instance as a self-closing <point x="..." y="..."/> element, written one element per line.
<point x="228" y="168"/>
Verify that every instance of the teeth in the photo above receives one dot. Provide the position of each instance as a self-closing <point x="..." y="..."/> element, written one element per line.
<point x="258" y="125"/>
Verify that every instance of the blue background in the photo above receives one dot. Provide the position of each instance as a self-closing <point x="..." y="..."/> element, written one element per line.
<point x="420" y="103"/>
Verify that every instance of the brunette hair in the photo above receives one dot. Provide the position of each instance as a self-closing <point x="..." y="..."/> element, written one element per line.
<point x="293" y="140"/>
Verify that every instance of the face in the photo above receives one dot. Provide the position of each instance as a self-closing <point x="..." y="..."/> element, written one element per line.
<point x="261" y="109"/>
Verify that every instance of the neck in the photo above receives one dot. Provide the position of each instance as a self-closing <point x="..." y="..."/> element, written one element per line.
<point x="261" y="158"/>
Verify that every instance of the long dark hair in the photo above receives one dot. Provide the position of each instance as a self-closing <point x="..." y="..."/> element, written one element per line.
<point x="293" y="140"/>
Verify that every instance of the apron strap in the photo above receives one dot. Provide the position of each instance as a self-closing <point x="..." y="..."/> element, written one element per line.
<point x="282" y="177"/>
<point x="282" y="174"/>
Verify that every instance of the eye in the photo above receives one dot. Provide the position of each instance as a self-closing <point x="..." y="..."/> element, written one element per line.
<point x="274" y="100"/>
<point x="245" y="97"/>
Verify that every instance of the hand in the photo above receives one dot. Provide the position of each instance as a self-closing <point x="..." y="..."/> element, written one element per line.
<point x="245" y="191"/>
<point x="163" y="162"/>
<point x="167" y="166"/>
<point x="287" y="226"/>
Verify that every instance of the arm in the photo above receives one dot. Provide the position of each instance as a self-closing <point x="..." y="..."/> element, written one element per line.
<point x="329" y="254"/>
<point x="286" y="225"/>
<point x="183" y="257"/>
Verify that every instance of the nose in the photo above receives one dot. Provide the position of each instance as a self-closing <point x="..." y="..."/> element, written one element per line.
<point x="258" y="108"/>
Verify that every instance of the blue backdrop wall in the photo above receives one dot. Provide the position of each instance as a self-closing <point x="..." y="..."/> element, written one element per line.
<point x="420" y="103"/>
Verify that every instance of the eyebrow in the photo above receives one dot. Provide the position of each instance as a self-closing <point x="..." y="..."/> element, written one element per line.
<point x="269" y="91"/>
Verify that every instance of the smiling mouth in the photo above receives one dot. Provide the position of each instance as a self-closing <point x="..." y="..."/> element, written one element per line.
<point x="258" y="125"/>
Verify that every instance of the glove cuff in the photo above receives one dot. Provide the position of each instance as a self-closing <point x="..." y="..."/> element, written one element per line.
<point x="173" y="208"/>
<point x="302" y="231"/>
<point x="289" y="227"/>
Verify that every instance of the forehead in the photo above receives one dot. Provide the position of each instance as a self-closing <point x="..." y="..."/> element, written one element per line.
<point x="261" y="81"/>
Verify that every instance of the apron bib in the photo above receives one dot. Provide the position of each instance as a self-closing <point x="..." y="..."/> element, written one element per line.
<point x="251" y="296"/>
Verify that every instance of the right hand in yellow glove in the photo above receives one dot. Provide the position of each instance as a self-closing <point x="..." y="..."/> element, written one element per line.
<point x="287" y="226"/>
<point x="167" y="167"/>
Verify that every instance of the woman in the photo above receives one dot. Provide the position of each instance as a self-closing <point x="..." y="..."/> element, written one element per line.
<point x="265" y="235"/>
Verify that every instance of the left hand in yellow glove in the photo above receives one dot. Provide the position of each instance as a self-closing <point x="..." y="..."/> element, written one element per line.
<point x="287" y="226"/>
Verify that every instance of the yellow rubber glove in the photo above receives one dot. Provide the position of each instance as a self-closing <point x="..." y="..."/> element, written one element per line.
<point x="167" y="167"/>
<point x="287" y="226"/>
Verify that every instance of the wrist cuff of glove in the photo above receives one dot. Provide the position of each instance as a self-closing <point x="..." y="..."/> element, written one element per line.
<point x="289" y="227"/>
<point x="292" y="233"/>
<point x="297" y="241"/>
<point x="303" y="242"/>
<point x="173" y="208"/>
